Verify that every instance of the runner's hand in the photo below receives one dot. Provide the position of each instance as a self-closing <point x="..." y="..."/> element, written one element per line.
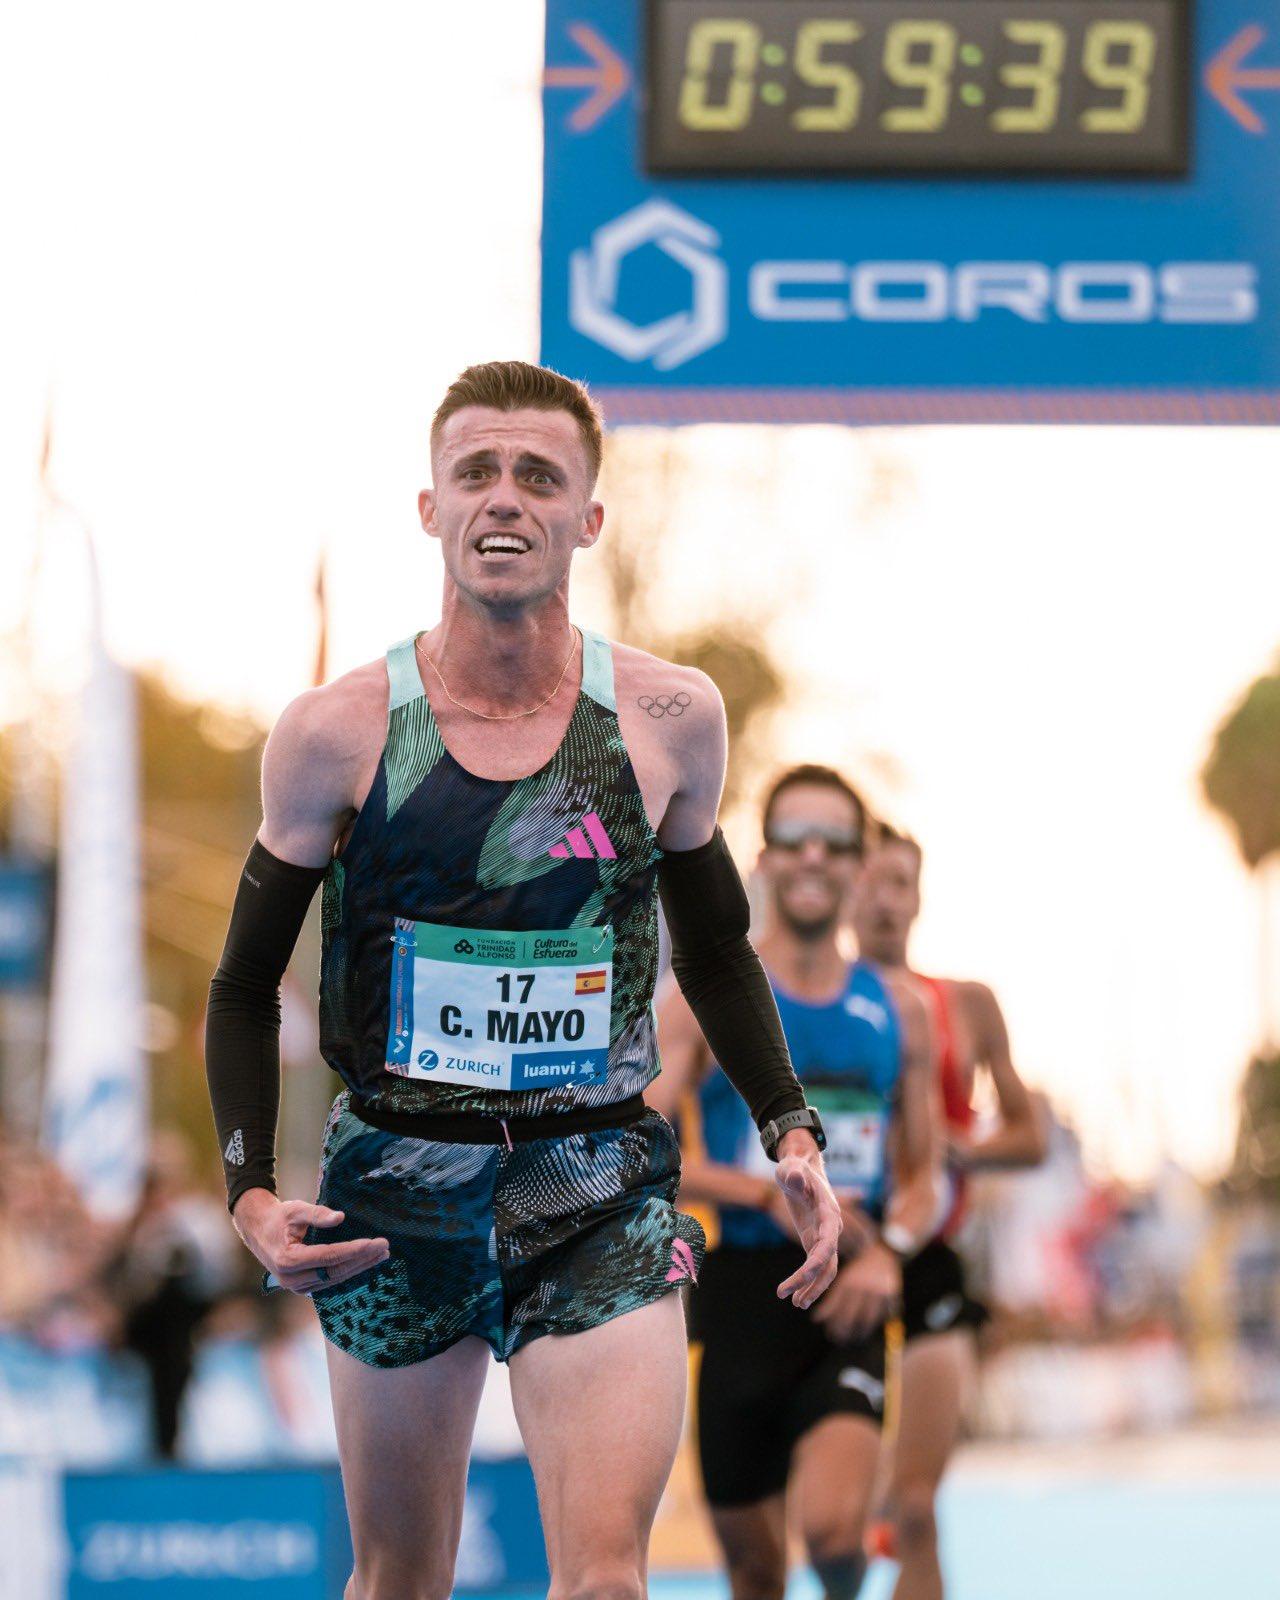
<point x="815" y="1216"/>
<point x="274" y="1231"/>
<point x="865" y="1294"/>
<point x="779" y="1212"/>
<point x="858" y="1229"/>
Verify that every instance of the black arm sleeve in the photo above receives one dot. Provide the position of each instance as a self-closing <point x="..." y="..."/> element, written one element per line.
<point x="242" y="1029"/>
<point x="720" y="976"/>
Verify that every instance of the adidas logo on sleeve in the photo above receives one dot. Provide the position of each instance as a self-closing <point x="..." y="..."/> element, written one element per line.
<point x="233" y="1155"/>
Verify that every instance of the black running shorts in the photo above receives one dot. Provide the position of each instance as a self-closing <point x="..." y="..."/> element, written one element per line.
<point x="769" y="1373"/>
<point x="935" y="1298"/>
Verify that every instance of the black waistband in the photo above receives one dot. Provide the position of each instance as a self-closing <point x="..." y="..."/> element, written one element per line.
<point x="473" y="1127"/>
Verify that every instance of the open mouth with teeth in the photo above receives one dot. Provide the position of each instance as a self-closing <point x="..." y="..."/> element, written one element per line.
<point x="502" y="544"/>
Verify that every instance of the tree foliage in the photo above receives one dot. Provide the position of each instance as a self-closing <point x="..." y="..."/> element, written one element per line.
<point x="1241" y="777"/>
<point x="1255" y="1170"/>
<point x="200" y="811"/>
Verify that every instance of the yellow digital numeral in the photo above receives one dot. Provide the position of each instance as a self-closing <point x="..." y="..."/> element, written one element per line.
<point x="846" y="100"/>
<point x="931" y="75"/>
<point x="1043" y="77"/>
<point x="1132" y="75"/>
<point x="705" y="37"/>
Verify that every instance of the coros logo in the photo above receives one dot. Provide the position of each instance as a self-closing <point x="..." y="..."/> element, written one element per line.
<point x="672" y="340"/>
<point x="870" y="291"/>
<point x="1030" y="291"/>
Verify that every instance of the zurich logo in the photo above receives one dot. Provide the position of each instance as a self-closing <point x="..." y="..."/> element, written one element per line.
<point x="428" y="1060"/>
<point x="672" y="340"/>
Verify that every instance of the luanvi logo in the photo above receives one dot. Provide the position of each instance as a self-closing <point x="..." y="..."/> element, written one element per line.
<point x="671" y="340"/>
<point x="831" y="290"/>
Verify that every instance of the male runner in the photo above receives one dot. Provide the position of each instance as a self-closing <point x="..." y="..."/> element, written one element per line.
<point x="940" y="1320"/>
<point x="491" y="809"/>
<point x="791" y="1402"/>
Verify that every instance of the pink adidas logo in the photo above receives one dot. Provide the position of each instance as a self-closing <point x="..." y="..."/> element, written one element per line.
<point x="683" y="1268"/>
<point x="578" y="842"/>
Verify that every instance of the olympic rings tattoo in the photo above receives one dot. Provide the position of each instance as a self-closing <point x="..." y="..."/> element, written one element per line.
<point x="665" y="705"/>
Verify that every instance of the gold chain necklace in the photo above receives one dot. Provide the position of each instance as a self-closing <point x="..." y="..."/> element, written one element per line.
<point x="503" y="716"/>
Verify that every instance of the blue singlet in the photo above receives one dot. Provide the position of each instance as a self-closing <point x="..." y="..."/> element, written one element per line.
<point x="848" y="1056"/>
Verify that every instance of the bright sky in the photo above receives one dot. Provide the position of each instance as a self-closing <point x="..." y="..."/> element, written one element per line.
<point x="250" y="245"/>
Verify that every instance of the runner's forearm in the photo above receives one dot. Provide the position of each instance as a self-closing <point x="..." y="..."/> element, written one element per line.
<point x="721" y="977"/>
<point x="716" y="1183"/>
<point x="242" y="1028"/>
<point x="915" y="1207"/>
<point x="1009" y="1145"/>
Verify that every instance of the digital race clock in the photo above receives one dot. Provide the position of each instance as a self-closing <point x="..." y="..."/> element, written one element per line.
<point x="797" y="87"/>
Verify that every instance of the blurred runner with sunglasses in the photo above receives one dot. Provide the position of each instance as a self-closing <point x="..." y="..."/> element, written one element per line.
<point x="791" y="1402"/>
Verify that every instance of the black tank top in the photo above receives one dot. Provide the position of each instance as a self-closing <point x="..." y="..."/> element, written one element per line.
<point x="491" y="945"/>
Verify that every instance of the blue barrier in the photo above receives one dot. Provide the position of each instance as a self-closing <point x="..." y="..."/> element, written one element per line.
<point x="502" y="1545"/>
<point x="199" y="1535"/>
<point x="205" y="1535"/>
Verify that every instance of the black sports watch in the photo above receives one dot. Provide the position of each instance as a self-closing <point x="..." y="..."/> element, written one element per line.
<point x="805" y="1117"/>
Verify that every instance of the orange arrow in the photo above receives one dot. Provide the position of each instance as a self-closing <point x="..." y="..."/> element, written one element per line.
<point x="610" y="77"/>
<point x="1225" y="77"/>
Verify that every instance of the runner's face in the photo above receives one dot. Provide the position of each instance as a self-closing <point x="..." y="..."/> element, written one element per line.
<point x="810" y="877"/>
<point x="511" y="502"/>
<point x="886" y="903"/>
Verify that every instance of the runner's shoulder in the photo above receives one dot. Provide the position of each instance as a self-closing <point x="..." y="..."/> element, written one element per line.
<point x="975" y="998"/>
<point x="912" y="1011"/>
<point x="683" y="699"/>
<point x="906" y="995"/>
<point x="338" y="725"/>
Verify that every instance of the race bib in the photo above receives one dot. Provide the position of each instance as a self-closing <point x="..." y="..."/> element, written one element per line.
<point x="500" y="1010"/>
<point x="854" y="1122"/>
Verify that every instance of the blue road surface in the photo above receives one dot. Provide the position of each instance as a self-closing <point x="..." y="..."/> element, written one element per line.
<point x="1103" y="1540"/>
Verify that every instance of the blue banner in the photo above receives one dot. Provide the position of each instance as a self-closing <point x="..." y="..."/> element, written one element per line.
<point x="884" y="299"/>
<point x="179" y="1535"/>
<point x="502" y="1545"/>
<point x="24" y="923"/>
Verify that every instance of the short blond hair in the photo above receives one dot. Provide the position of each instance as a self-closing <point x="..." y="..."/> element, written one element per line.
<point x="517" y="386"/>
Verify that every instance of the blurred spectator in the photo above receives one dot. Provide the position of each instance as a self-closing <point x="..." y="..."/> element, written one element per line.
<point x="52" y="1255"/>
<point x="260" y="1389"/>
<point x="175" y="1263"/>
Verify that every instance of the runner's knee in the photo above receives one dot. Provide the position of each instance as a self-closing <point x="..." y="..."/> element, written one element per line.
<point x="832" y="1543"/>
<point x="755" y="1554"/>
<point x="757" y="1575"/>
<point x="394" y="1581"/>
<point x="613" y="1580"/>
<point x="832" y="1525"/>
<point x="917" y="1524"/>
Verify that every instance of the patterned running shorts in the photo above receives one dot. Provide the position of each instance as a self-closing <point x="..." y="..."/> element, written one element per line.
<point x="553" y="1236"/>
